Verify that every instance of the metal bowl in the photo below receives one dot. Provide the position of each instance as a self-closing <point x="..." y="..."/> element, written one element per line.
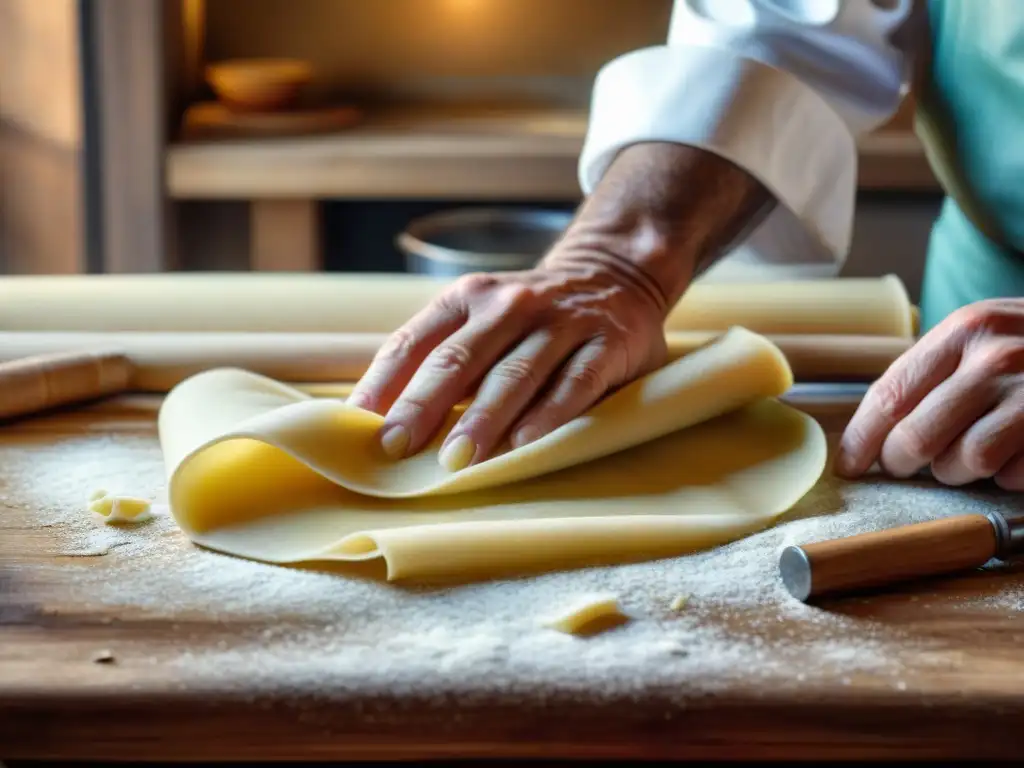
<point x="457" y="242"/>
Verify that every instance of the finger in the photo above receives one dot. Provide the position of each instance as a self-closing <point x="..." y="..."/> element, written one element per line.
<point x="506" y="391"/>
<point x="986" y="447"/>
<point x="890" y="399"/>
<point x="590" y="373"/>
<point x="445" y="377"/>
<point x="938" y="420"/>
<point x="403" y="352"/>
<point x="1011" y="477"/>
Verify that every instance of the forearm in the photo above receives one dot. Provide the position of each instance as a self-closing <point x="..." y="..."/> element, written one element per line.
<point x="783" y="96"/>
<point x="663" y="213"/>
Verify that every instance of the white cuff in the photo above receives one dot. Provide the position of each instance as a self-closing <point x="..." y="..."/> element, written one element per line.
<point x="763" y="119"/>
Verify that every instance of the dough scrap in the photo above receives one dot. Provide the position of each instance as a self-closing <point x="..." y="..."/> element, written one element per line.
<point x="113" y="509"/>
<point x="679" y="602"/>
<point x="693" y="455"/>
<point x="590" y="616"/>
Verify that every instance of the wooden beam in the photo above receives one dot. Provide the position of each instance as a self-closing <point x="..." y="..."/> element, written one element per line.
<point x="41" y="212"/>
<point x="130" y="114"/>
<point x="41" y="156"/>
<point x="40" y="70"/>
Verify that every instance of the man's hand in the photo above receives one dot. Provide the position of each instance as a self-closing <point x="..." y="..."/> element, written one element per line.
<point x="539" y="347"/>
<point x="954" y="401"/>
<point x="543" y="345"/>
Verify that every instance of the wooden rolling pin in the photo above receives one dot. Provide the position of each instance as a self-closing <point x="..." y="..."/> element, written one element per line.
<point x="33" y="384"/>
<point x="910" y="552"/>
<point x="162" y="360"/>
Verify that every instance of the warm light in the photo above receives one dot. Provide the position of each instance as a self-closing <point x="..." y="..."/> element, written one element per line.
<point x="465" y="6"/>
<point x="194" y="23"/>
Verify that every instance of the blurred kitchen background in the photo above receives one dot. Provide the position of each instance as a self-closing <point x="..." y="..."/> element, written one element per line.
<point x="118" y="155"/>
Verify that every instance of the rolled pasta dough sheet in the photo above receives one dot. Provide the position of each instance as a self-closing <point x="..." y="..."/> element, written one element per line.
<point x="695" y="454"/>
<point x="380" y="303"/>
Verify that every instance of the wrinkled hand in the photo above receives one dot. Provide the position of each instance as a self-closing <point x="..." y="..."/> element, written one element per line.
<point x="539" y="347"/>
<point x="954" y="401"/>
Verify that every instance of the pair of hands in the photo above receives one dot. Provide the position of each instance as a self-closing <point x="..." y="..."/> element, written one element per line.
<point x="540" y="347"/>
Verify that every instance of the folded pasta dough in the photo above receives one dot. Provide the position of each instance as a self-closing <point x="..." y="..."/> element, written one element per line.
<point x="695" y="454"/>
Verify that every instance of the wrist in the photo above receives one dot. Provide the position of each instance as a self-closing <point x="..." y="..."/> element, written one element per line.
<point x="661" y="214"/>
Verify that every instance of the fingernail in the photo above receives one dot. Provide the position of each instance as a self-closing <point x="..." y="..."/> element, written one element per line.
<point x="357" y="401"/>
<point x="457" y="454"/>
<point x="395" y="440"/>
<point x="525" y="435"/>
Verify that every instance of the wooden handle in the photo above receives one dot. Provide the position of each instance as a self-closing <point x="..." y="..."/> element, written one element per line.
<point x="41" y="382"/>
<point x="886" y="557"/>
<point x="162" y="360"/>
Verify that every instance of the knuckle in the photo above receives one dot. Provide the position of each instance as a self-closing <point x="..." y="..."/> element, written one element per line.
<point x="474" y="284"/>
<point x="448" y="303"/>
<point x="983" y="454"/>
<point x="516" y="296"/>
<point x="888" y="396"/>
<point x="451" y="357"/>
<point x="981" y="461"/>
<point x="398" y="346"/>
<point x="478" y="421"/>
<point x="367" y="396"/>
<point x="990" y="316"/>
<point x="516" y="372"/>
<point x="1000" y="358"/>
<point x="587" y="378"/>
<point x="979" y="316"/>
<point x="559" y="329"/>
<point x="413" y="407"/>
<point x="913" y="443"/>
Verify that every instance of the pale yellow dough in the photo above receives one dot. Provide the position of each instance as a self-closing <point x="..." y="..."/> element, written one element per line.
<point x="380" y="303"/>
<point x="693" y="455"/>
<point x="679" y="602"/>
<point x="114" y="509"/>
<point x="590" y="613"/>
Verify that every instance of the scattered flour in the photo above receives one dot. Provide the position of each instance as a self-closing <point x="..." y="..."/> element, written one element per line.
<point x="311" y="629"/>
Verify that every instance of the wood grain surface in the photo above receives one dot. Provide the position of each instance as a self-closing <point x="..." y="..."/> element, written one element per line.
<point x="85" y="676"/>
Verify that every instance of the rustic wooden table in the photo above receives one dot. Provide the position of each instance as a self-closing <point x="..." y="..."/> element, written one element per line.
<point x="135" y="645"/>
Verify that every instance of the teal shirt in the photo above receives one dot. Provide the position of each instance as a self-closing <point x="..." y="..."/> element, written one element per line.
<point x="978" y="74"/>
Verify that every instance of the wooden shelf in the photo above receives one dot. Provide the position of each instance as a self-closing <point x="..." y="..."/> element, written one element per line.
<point x="431" y="154"/>
<point x="506" y="154"/>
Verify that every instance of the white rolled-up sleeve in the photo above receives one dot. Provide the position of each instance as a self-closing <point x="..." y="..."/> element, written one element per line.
<point x="782" y="89"/>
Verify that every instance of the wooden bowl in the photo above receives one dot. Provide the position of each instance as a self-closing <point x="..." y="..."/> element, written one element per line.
<point x="259" y="85"/>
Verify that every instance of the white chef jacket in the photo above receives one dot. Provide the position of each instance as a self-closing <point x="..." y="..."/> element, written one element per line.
<point x="781" y="88"/>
